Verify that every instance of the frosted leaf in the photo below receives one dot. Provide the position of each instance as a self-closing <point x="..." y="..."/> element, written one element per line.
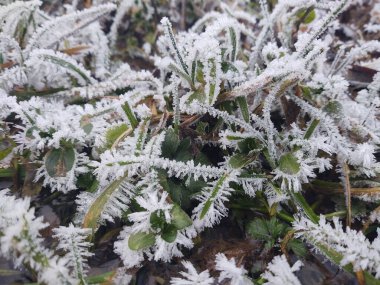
<point x="355" y="248"/>
<point x="73" y="241"/>
<point x="52" y="32"/>
<point x="22" y="242"/>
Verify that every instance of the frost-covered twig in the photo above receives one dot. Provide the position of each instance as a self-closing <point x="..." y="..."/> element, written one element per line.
<point x="21" y="241"/>
<point x="354" y="247"/>
<point x="73" y="241"/>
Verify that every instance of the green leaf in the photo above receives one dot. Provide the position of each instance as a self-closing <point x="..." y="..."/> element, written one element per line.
<point x="88" y="128"/>
<point x="195" y="185"/>
<point x="59" y="162"/>
<point x="214" y="80"/>
<point x="311" y="129"/>
<point x="7" y="172"/>
<point x="300" y="200"/>
<point x="85" y="180"/>
<point x="29" y="132"/>
<point x="226" y="66"/>
<point x="202" y="158"/>
<point x="114" y="133"/>
<point x="184" y="75"/>
<point x="178" y="192"/>
<point x="298" y="247"/>
<point x="9" y="272"/>
<point x="306" y="91"/>
<point x="336" y="257"/>
<point x="130" y="115"/>
<point x="243" y="105"/>
<point x="169" y="234"/>
<point x="249" y="144"/>
<point x="334" y="109"/>
<point x="238" y="160"/>
<point x="86" y="124"/>
<point x="197" y="95"/>
<point x="141" y="136"/>
<point x="206" y="208"/>
<point x="170" y="144"/>
<point x="288" y="164"/>
<point x="214" y="192"/>
<point x="68" y="65"/>
<point x="157" y="219"/>
<point x="92" y="216"/>
<point x="141" y="240"/>
<point x="183" y="152"/>
<point x="6" y="146"/>
<point x="179" y="218"/>
<point x="310" y="17"/>
<point x="193" y="70"/>
<point x="267" y="231"/>
<point x="258" y="229"/>
<point x="306" y="18"/>
<point x="233" y="43"/>
<point x="174" y="44"/>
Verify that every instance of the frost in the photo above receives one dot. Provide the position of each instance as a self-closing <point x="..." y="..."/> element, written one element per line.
<point x="192" y="277"/>
<point x="73" y="241"/>
<point x="21" y="240"/>
<point x="224" y="105"/>
<point x="355" y="248"/>
<point x="280" y="272"/>
<point x="229" y="270"/>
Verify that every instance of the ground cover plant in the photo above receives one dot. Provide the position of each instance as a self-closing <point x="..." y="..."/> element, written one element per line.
<point x="190" y="142"/>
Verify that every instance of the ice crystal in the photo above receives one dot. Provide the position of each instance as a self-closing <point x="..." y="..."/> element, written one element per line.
<point x="233" y="106"/>
<point x="22" y="242"/>
<point x="192" y="277"/>
<point x="354" y="247"/>
<point x="280" y="272"/>
<point x="230" y="271"/>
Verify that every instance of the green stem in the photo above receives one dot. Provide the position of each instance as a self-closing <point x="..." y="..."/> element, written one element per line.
<point x="174" y="43"/>
<point x="336" y="257"/>
<point x="285" y="216"/>
<point x="300" y="200"/>
<point x="131" y="117"/>
<point x="215" y="191"/>
<point x="6" y="172"/>
<point x="335" y="214"/>
<point x="182" y="74"/>
<point x="311" y="129"/>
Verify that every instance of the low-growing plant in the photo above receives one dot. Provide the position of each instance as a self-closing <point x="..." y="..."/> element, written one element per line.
<point x="248" y="112"/>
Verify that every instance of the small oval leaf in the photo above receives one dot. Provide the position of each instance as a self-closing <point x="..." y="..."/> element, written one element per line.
<point x="289" y="164"/>
<point x="6" y="146"/>
<point x="240" y="160"/>
<point x="170" y="144"/>
<point x="157" y="219"/>
<point x="86" y="124"/>
<point x="141" y="240"/>
<point x="59" y="162"/>
<point x="334" y="109"/>
<point x="169" y="234"/>
<point x="179" y="218"/>
<point x="114" y="133"/>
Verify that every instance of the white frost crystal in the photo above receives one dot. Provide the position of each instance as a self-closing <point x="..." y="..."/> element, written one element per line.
<point x="354" y="247"/>
<point x="279" y="272"/>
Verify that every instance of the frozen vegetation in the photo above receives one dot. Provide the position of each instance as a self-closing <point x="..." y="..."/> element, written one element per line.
<point x="164" y="120"/>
